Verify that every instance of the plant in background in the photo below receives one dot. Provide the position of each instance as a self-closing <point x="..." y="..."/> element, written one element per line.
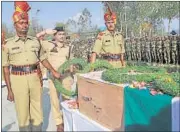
<point x="167" y="85"/>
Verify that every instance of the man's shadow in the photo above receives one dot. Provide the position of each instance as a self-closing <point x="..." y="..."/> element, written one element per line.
<point x="46" y="108"/>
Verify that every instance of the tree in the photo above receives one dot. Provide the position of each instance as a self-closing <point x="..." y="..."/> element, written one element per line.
<point x="170" y="10"/>
<point x="82" y="25"/>
<point x="84" y="21"/>
<point x="132" y="15"/>
<point x="71" y="25"/>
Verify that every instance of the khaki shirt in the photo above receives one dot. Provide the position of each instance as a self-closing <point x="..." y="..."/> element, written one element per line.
<point x="56" y="55"/>
<point x="108" y="43"/>
<point x="18" y="52"/>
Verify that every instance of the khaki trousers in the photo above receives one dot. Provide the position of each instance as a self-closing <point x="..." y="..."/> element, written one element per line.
<point x="54" y="97"/>
<point x="116" y="64"/>
<point x="27" y="92"/>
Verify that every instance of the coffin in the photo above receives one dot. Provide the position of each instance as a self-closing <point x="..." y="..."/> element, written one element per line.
<point x="101" y="101"/>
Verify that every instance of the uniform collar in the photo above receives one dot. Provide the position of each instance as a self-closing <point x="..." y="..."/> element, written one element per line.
<point x="17" y="38"/>
<point x="107" y="32"/>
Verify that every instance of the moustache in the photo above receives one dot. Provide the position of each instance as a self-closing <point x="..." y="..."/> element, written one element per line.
<point x="24" y="30"/>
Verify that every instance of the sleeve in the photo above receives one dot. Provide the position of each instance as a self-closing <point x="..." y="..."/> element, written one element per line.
<point x="122" y="45"/>
<point x="5" y="57"/>
<point x="42" y="52"/>
<point x="98" y="45"/>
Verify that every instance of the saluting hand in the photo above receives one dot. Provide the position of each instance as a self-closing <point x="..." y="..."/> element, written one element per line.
<point x="50" y="31"/>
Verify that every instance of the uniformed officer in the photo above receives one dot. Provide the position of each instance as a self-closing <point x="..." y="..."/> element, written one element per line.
<point x="23" y="53"/>
<point x="166" y="49"/>
<point x="133" y="49"/>
<point x="147" y="50"/>
<point x="109" y="43"/>
<point x="159" y="50"/>
<point x="143" y="49"/>
<point x="138" y="49"/>
<point x="128" y="50"/>
<point x="153" y="49"/>
<point x="58" y="52"/>
<point x="174" y="50"/>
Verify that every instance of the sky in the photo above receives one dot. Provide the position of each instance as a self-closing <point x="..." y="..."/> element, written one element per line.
<point x="52" y="12"/>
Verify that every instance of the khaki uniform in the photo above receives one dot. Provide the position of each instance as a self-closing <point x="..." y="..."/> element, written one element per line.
<point x="57" y="56"/>
<point x="108" y="43"/>
<point x="26" y="88"/>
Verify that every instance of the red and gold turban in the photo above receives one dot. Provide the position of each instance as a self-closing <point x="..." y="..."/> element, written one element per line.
<point x="21" y="6"/>
<point x="110" y="16"/>
<point x="21" y="9"/>
<point x="20" y="15"/>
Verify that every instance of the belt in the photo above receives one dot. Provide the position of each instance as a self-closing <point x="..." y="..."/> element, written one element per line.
<point x="111" y="56"/>
<point x="21" y="70"/>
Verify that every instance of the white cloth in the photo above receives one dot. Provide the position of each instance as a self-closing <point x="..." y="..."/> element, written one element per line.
<point x="175" y="106"/>
<point x="75" y="121"/>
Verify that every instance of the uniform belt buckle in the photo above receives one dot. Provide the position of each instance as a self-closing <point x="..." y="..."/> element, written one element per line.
<point x="115" y="57"/>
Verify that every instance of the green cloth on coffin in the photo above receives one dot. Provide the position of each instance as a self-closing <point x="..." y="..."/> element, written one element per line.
<point x="144" y="112"/>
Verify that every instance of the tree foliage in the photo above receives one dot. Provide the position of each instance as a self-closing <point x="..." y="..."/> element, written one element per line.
<point x="82" y="24"/>
<point x="132" y="15"/>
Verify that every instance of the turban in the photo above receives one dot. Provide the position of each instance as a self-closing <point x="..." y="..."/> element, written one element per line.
<point x="110" y="16"/>
<point x="20" y="15"/>
<point x="21" y="6"/>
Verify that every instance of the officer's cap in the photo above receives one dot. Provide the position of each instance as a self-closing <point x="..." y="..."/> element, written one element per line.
<point x="59" y="29"/>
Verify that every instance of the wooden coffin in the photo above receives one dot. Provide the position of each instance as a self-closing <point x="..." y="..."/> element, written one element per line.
<point x="101" y="102"/>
